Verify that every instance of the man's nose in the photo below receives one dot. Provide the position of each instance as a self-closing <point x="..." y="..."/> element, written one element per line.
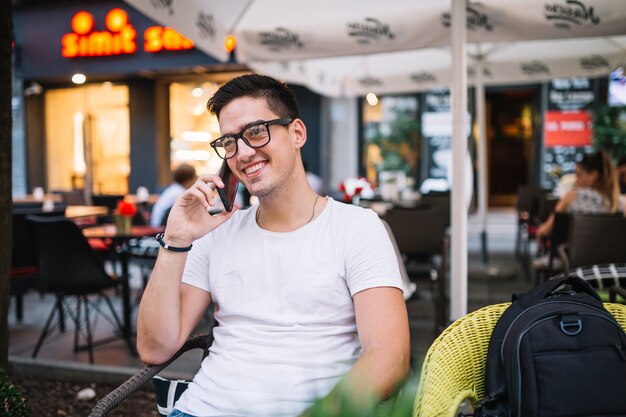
<point x="243" y="150"/>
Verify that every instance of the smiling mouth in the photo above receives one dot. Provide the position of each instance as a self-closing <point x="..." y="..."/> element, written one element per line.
<point x="255" y="168"/>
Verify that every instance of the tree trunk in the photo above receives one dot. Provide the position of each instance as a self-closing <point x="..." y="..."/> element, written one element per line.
<point x="6" y="199"/>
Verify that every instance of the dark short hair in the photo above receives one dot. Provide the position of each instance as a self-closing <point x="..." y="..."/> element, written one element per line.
<point x="184" y="173"/>
<point x="279" y="97"/>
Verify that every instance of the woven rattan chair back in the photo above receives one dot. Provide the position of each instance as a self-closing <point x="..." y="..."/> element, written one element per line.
<point x="454" y="367"/>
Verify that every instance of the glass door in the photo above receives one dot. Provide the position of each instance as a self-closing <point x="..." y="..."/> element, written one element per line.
<point x="88" y="139"/>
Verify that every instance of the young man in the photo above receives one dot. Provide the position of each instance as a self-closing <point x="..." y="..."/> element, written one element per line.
<point x="306" y="289"/>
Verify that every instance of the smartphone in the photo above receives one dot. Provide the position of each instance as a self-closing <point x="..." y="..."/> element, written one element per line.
<point x="229" y="192"/>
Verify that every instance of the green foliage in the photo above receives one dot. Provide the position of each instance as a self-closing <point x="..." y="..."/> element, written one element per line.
<point x="609" y="130"/>
<point x="340" y="403"/>
<point x="398" y="146"/>
<point x="12" y="403"/>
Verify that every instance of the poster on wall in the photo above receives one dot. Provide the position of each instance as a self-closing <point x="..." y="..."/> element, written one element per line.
<point x="437" y="142"/>
<point x="567" y="126"/>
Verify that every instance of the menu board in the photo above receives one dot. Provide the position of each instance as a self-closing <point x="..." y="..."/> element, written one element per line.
<point x="437" y="137"/>
<point x="567" y="126"/>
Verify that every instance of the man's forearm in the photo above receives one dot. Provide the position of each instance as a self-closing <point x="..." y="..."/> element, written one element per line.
<point x="159" y="317"/>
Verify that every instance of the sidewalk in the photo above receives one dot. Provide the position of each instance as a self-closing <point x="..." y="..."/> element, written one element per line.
<point x="487" y="284"/>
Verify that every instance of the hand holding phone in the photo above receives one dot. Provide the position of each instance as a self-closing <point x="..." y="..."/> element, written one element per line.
<point x="229" y="192"/>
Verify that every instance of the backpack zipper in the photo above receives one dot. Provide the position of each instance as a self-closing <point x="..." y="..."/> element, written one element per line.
<point x="518" y="388"/>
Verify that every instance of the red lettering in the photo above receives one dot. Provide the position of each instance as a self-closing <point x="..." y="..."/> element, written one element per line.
<point x="152" y="37"/>
<point x="69" y="44"/>
<point x="128" y="34"/>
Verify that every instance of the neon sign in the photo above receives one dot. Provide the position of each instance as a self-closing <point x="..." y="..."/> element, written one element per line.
<point x="120" y="38"/>
<point x="158" y="38"/>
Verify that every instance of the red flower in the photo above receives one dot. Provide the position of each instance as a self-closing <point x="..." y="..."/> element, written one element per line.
<point x="126" y="209"/>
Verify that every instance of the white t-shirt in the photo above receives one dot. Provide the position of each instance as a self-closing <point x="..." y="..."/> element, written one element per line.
<point x="287" y="330"/>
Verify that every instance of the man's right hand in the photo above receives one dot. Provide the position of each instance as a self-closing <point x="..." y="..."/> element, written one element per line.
<point x="189" y="218"/>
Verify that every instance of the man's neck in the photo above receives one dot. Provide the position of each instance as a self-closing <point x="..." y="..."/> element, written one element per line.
<point x="289" y="210"/>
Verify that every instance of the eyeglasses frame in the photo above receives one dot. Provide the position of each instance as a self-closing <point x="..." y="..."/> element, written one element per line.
<point x="237" y="136"/>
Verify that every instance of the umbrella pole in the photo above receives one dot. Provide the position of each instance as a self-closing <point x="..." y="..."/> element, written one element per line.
<point x="458" y="246"/>
<point x="482" y="157"/>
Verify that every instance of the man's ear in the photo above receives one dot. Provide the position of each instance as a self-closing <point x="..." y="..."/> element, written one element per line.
<point x="299" y="130"/>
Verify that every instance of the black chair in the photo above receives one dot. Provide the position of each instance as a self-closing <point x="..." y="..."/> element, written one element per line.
<point x="594" y="239"/>
<point x="439" y="200"/>
<point x="23" y="264"/>
<point x="68" y="267"/>
<point x="421" y="237"/>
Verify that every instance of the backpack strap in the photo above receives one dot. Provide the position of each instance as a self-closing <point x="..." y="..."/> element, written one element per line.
<point x="493" y="405"/>
<point x="547" y="288"/>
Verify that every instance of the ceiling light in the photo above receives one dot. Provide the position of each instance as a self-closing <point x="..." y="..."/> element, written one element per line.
<point x="79" y="78"/>
<point x="371" y="98"/>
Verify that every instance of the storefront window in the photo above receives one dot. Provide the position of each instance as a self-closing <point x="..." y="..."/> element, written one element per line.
<point x="391" y="133"/>
<point x="88" y="139"/>
<point x="192" y="127"/>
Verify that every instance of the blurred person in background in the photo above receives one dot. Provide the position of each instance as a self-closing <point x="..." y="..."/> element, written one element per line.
<point x="184" y="177"/>
<point x="596" y="191"/>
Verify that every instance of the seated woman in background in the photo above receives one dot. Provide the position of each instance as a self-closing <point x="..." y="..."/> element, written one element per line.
<point x="596" y="191"/>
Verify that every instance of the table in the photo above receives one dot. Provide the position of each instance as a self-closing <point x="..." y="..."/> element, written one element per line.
<point x="30" y="199"/>
<point x="120" y="241"/>
<point x="78" y="212"/>
<point x="132" y="198"/>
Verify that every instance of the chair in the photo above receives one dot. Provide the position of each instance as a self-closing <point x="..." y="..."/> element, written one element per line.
<point x="115" y="397"/>
<point x="454" y="367"/>
<point x="439" y="200"/>
<point x="69" y="268"/>
<point x="597" y="240"/>
<point x="420" y="235"/>
<point x="594" y="239"/>
<point x="609" y="280"/>
<point x="23" y="265"/>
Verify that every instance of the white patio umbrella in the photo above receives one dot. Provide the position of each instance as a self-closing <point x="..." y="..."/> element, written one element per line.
<point x="333" y="48"/>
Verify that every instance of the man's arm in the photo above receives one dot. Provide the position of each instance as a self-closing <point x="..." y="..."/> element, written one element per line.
<point x="383" y="328"/>
<point x="169" y="309"/>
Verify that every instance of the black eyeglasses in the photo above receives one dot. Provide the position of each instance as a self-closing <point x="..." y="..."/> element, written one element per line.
<point x="255" y="136"/>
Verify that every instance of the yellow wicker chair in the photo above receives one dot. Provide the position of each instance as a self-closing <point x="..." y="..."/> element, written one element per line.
<point x="454" y="367"/>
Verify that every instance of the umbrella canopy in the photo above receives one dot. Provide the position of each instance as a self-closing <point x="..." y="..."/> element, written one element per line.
<point x="352" y="47"/>
<point x="429" y="68"/>
<point x="279" y="30"/>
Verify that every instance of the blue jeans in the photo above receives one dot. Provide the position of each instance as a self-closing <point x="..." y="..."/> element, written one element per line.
<point x="176" y="413"/>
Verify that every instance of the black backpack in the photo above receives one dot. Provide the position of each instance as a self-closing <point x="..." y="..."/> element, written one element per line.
<point x="556" y="353"/>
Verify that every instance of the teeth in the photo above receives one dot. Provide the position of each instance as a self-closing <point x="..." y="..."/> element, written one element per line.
<point x="254" y="168"/>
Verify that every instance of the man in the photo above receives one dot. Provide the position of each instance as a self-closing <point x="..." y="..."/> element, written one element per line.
<point x="184" y="177"/>
<point x="306" y="289"/>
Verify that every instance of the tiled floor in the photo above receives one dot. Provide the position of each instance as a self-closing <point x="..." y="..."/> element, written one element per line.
<point x="488" y="284"/>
